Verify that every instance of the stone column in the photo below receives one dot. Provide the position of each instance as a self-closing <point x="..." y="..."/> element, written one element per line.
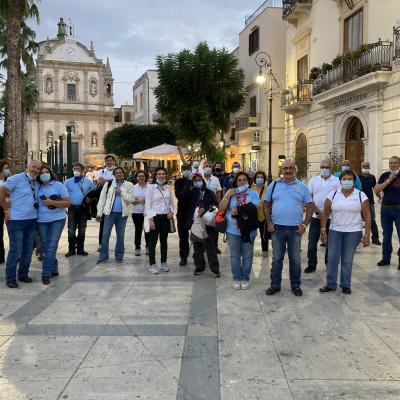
<point x="85" y="89"/>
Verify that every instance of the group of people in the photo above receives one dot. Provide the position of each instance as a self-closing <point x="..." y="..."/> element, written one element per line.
<point x="337" y="208"/>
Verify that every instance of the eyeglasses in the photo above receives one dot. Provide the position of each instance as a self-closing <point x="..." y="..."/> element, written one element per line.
<point x="288" y="168"/>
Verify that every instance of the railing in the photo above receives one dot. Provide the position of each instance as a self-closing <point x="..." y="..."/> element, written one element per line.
<point x="290" y="5"/>
<point x="377" y="58"/>
<point x="156" y="117"/>
<point x="297" y="94"/>
<point x="71" y="98"/>
<point x="396" y="41"/>
<point x="266" y="4"/>
<point x="247" y="121"/>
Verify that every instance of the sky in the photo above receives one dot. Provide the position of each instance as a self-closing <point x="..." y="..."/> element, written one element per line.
<point x="132" y="33"/>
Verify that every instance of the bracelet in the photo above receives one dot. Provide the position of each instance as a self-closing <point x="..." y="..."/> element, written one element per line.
<point x="323" y="229"/>
<point x="305" y="226"/>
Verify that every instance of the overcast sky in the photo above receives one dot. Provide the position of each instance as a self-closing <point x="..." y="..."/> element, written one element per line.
<point x="132" y="33"/>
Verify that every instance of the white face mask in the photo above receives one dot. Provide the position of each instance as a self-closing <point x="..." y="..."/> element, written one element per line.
<point x="395" y="172"/>
<point x="235" y="170"/>
<point x="77" y="173"/>
<point x="365" y="170"/>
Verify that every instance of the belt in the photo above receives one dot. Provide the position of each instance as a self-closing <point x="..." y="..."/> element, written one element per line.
<point x="390" y="206"/>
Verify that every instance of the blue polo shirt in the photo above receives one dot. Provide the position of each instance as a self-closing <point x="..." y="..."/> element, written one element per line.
<point x="231" y="223"/>
<point x="117" y="206"/>
<point x="288" y="202"/>
<point x="77" y="191"/>
<point x="357" y="184"/>
<point x="45" y="214"/>
<point x="23" y="194"/>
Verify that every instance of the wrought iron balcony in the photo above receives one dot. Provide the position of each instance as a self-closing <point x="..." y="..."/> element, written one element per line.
<point x="297" y="96"/>
<point x="292" y="8"/>
<point x="376" y="58"/>
<point x="247" y="121"/>
<point x="396" y="41"/>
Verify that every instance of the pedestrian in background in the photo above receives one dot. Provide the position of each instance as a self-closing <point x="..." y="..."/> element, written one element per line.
<point x="240" y="248"/>
<point x="53" y="200"/>
<point x="346" y="165"/>
<point x="18" y="197"/>
<point x="159" y="208"/>
<point x="4" y="174"/>
<point x="229" y="178"/>
<point x="219" y="173"/>
<point x="139" y="193"/>
<point x="347" y="207"/>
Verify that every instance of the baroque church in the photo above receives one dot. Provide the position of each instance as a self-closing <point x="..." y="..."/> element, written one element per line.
<point x="75" y="89"/>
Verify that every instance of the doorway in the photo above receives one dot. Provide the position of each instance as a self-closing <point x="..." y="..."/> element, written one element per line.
<point x="354" y="144"/>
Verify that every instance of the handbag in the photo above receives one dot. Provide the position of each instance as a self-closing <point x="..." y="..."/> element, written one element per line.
<point x="220" y="221"/>
<point x="198" y="232"/>
<point x="172" y="227"/>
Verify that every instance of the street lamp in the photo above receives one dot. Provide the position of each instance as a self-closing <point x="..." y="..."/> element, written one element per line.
<point x="69" y="151"/>
<point x="263" y="60"/>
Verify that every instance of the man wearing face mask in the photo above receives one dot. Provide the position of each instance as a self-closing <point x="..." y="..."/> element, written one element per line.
<point x="18" y="197"/>
<point x="219" y="173"/>
<point x="320" y="186"/>
<point x="78" y="187"/>
<point x="228" y="182"/>
<point x="368" y="182"/>
<point x="212" y="182"/>
<point x="346" y="166"/>
<point x="106" y="173"/>
<point x="182" y="193"/>
<point x="389" y="184"/>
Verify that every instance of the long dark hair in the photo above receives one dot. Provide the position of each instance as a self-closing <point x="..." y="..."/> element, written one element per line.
<point x="156" y="172"/>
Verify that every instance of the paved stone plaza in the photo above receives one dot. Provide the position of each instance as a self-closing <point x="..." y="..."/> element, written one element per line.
<point x="116" y="332"/>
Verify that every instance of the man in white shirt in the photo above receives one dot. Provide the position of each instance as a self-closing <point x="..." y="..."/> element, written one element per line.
<point x="320" y="186"/>
<point x="212" y="182"/>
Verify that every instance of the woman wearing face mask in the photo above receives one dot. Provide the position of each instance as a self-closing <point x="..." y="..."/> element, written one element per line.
<point x="115" y="204"/>
<point x="158" y="210"/>
<point x="260" y="186"/>
<point x="241" y="253"/>
<point x="346" y="208"/>
<point x="4" y="174"/>
<point x="53" y="200"/>
<point x="204" y="199"/>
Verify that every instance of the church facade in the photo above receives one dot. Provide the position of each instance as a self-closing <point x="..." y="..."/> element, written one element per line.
<point x="75" y="89"/>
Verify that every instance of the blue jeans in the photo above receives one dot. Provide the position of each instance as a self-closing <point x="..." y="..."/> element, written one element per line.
<point x="241" y="256"/>
<point x="388" y="216"/>
<point x="115" y="218"/>
<point x="50" y="233"/>
<point x="342" y="247"/>
<point x="285" y="235"/>
<point x="21" y="234"/>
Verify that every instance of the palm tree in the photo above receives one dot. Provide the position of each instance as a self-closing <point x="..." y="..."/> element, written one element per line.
<point x="14" y="13"/>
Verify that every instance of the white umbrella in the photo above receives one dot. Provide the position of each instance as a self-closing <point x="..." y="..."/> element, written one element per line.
<point x="162" y="152"/>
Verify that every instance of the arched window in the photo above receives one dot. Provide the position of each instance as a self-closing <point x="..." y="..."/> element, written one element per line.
<point x="301" y="156"/>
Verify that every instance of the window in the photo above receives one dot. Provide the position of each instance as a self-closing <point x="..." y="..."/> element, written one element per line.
<point x="127" y="116"/>
<point x="302" y="69"/>
<point x="136" y="104"/>
<point x="353" y="31"/>
<point x="253" y="106"/>
<point x="254" y="41"/>
<point x="141" y="101"/>
<point x="71" y="91"/>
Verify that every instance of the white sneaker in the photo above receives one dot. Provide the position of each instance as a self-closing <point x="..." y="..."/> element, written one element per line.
<point x="244" y="285"/>
<point x="153" y="269"/>
<point x="164" y="267"/>
<point x="236" y="285"/>
<point x="137" y="252"/>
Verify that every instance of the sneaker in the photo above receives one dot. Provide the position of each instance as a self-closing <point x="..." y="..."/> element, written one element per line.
<point x="183" y="262"/>
<point x="137" y="252"/>
<point x="346" y="290"/>
<point x="217" y="274"/>
<point x="153" y="269"/>
<point x="326" y="289"/>
<point x="196" y="272"/>
<point x="46" y="281"/>
<point x="382" y="263"/>
<point x="297" y="291"/>
<point x="309" y="270"/>
<point x="245" y="285"/>
<point x="147" y="251"/>
<point x="164" y="267"/>
<point x="70" y="253"/>
<point x="12" y="284"/>
<point x="236" y="285"/>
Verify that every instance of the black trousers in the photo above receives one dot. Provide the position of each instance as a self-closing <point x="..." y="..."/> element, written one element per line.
<point x="76" y="221"/>
<point x="2" y="252"/>
<point x="313" y="239"/>
<point x="183" y="233"/>
<point x="264" y="234"/>
<point x="138" y="221"/>
<point x="161" y="230"/>
<point x="101" y="230"/>
<point x="209" y="247"/>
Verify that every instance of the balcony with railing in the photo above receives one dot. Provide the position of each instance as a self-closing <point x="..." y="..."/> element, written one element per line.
<point x="396" y="41"/>
<point x="293" y="8"/>
<point x="377" y="57"/>
<point x="247" y="121"/>
<point x="297" y="97"/>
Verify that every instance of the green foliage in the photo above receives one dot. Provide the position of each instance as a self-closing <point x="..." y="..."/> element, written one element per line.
<point x="325" y="67"/>
<point x="198" y="91"/>
<point x="128" y="139"/>
<point x="315" y="73"/>
<point x="336" y="159"/>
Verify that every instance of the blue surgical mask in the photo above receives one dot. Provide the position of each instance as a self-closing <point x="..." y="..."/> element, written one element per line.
<point x="198" y="184"/>
<point x="345" y="168"/>
<point x="347" y="184"/>
<point x="325" y="172"/>
<point x="207" y="170"/>
<point x="45" y="177"/>
<point x="186" y="173"/>
<point x="242" y="188"/>
<point x="259" y="181"/>
<point x="6" y="172"/>
<point x="196" y="164"/>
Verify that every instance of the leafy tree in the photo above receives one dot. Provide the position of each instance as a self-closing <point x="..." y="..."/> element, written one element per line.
<point x="336" y="159"/>
<point x="128" y="139"/>
<point x="197" y="92"/>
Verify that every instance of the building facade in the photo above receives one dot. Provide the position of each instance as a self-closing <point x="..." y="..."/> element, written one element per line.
<point x="76" y="89"/>
<point x="343" y="81"/>
<point x="248" y="139"/>
<point x="123" y="115"/>
<point x="144" y="100"/>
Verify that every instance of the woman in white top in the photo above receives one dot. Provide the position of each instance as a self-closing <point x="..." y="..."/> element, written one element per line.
<point x="347" y="208"/>
<point x="158" y="210"/>
<point x="4" y="174"/>
<point x="115" y="204"/>
<point x="139" y="191"/>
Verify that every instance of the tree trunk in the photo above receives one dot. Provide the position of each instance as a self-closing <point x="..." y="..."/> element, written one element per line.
<point x="14" y="144"/>
<point x="24" y="148"/>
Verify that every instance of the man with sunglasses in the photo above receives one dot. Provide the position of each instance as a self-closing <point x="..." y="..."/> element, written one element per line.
<point x="320" y="186"/>
<point x="18" y="197"/>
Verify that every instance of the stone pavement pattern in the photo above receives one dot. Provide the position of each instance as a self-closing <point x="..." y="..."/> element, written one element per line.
<point x="116" y="332"/>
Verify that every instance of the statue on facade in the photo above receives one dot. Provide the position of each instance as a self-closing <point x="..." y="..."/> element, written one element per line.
<point x="94" y="142"/>
<point x="49" y="86"/>
<point x="93" y="87"/>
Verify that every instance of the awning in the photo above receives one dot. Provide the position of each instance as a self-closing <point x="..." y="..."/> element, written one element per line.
<point x="162" y="152"/>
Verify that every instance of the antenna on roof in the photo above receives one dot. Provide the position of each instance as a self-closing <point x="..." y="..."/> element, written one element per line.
<point x="71" y="28"/>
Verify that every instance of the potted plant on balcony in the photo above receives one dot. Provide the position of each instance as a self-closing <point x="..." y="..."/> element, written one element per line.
<point x="315" y="73"/>
<point x="325" y="67"/>
<point x="337" y="60"/>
